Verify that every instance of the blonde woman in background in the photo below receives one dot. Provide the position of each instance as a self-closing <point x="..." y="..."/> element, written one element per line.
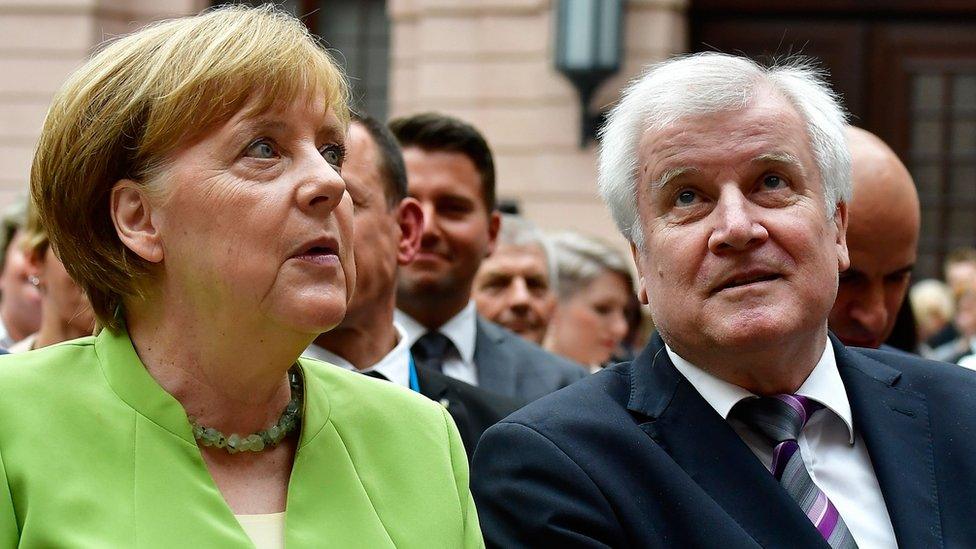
<point x="933" y="307"/>
<point x="20" y="302"/>
<point x="65" y="311"/>
<point x="594" y="288"/>
<point x="188" y="178"/>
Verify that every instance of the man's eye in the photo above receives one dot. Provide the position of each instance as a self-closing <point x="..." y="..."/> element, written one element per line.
<point x="686" y="198"/>
<point x="772" y="182"/>
<point x="261" y="149"/>
<point x="334" y="155"/>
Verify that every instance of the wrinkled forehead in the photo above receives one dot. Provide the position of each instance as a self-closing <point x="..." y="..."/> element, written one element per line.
<point x="767" y="129"/>
<point x="526" y="254"/>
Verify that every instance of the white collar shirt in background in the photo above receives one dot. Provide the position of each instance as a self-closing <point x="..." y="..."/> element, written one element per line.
<point x="5" y="340"/>
<point x="834" y="453"/>
<point x="462" y="330"/>
<point x="395" y="366"/>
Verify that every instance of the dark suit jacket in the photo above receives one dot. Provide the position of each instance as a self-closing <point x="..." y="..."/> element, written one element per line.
<point x="511" y="366"/>
<point x="473" y="409"/>
<point x="634" y="457"/>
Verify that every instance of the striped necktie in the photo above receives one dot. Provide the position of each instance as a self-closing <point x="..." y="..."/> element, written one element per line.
<point x="780" y="419"/>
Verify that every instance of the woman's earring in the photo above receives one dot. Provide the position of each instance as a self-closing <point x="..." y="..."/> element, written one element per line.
<point x="35" y="282"/>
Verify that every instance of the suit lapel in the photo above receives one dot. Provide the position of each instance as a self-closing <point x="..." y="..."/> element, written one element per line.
<point x="432" y="387"/>
<point x="894" y="424"/>
<point x="712" y="454"/>
<point x="496" y="369"/>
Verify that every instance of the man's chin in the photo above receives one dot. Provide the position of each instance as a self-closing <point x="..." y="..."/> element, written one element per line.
<point x="859" y="341"/>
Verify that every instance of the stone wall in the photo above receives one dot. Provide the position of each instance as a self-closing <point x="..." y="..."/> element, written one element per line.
<point x="491" y="62"/>
<point x="43" y="42"/>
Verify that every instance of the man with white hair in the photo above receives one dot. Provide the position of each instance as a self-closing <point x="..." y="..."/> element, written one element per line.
<point x="514" y="285"/>
<point x="742" y="423"/>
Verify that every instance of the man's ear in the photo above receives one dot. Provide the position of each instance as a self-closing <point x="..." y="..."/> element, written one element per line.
<point x="641" y="289"/>
<point x="132" y="215"/>
<point x="840" y="221"/>
<point x="494" y="225"/>
<point x="410" y="218"/>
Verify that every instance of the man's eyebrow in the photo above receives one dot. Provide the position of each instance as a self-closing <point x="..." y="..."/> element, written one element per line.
<point x="670" y="175"/>
<point x="907" y="269"/>
<point x="782" y="158"/>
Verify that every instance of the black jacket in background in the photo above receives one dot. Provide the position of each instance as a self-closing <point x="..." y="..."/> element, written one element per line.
<point x="473" y="409"/>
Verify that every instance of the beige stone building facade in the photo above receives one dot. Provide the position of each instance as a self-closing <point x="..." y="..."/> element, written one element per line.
<point x="487" y="61"/>
<point x="41" y="43"/>
<point x="491" y="62"/>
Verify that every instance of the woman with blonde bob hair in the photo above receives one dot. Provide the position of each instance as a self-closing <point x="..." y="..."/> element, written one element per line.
<point x="594" y="289"/>
<point x="65" y="311"/>
<point x="188" y="179"/>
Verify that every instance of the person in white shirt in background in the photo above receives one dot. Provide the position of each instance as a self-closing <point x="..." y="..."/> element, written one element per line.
<point x="450" y="171"/>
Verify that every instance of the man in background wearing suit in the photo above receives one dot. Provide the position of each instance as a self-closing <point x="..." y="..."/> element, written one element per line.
<point x="882" y="239"/>
<point x="743" y="423"/>
<point x="451" y="173"/>
<point x="387" y="233"/>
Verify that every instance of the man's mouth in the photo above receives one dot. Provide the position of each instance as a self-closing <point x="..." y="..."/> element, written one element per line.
<point x="746" y="279"/>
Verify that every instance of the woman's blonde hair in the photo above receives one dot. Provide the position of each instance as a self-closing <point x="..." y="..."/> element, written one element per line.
<point x="581" y="258"/>
<point x="134" y="103"/>
<point x="35" y="240"/>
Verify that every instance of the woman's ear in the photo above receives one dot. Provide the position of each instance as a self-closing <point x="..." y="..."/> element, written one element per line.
<point x="132" y="215"/>
<point x="35" y="268"/>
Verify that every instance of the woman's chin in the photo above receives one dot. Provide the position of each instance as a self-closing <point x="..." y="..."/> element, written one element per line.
<point x="314" y="320"/>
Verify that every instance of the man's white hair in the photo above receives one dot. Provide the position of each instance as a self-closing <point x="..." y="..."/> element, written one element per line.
<point x="519" y="231"/>
<point x="712" y="82"/>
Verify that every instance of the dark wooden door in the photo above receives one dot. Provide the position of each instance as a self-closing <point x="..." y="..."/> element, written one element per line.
<point x="906" y="70"/>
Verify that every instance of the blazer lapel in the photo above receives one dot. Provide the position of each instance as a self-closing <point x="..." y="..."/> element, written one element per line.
<point x="328" y="505"/>
<point x="704" y="445"/>
<point x="894" y="424"/>
<point x="496" y="369"/>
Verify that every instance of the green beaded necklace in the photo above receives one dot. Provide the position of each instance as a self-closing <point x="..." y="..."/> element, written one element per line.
<point x="289" y="420"/>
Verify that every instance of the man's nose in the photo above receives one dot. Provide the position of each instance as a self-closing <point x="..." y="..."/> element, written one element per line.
<point x="430" y="229"/>
<point x="869" y="310"/>
<point x="737" y="225"/>
<point x="519" y="294"/>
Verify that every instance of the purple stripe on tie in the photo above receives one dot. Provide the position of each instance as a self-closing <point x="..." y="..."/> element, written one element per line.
<point x="797" y="404"/>
<point x="781" y="456"/>
<point x="829" y="522"/>
<point x="819" y="508"/>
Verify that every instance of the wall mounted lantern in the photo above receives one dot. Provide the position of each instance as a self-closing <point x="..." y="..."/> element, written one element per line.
<point x="589" y="38"/>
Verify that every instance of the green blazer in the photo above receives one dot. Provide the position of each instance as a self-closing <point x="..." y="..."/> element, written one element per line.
<point x="93" y="453"/>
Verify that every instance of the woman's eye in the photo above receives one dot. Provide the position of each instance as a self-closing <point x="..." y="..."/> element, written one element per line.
<point x="771" y="182"/>
<point x="260" y="149"/>
<point x="334" y="155"/>
<point x="686" y="198"/>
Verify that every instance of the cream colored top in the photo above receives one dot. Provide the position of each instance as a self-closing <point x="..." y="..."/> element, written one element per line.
<point x="266" y="531"/>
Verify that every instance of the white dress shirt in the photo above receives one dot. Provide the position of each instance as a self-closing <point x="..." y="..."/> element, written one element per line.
<point x="395" y="366"/>
<point x="5" y="340"/>
<point x="462" y="330"/>
<point x="833" y="452"/>
<point x="968" y="361"/>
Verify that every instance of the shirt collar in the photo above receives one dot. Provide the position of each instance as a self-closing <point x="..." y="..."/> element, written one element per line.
<point x="461" y="329"/>
<point x="395" y="366"/>
<point x="823" y="385"/>
<point x="5" y="339"/>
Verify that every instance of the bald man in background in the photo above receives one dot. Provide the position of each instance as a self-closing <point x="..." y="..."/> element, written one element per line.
<point x="882" y="237"/>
